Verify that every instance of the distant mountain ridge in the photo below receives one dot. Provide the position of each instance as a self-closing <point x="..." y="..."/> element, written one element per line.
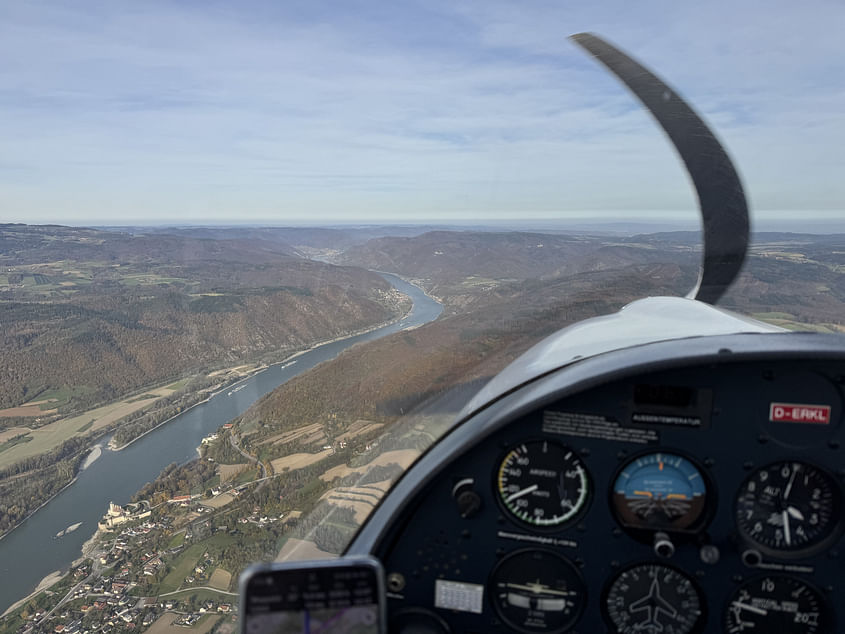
<point x="453" y="264"/>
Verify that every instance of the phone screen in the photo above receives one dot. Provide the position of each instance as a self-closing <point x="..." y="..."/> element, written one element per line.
<point x="321" y="598"/>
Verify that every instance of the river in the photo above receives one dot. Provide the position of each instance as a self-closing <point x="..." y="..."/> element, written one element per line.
<point x="31" y="551"/>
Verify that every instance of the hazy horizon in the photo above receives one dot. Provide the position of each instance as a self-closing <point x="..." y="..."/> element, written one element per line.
<point x="616" y="225"/>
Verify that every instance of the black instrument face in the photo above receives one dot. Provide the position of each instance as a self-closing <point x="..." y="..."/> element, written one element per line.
<point x="542" y="483"/>
<point x="660" y="491"/>
<point x="789" y="508"/>
<point x="537" y="591"/>
<point x="654" y="598"/>
<point x="606" y="511"/>
<point x="777" y="603"/>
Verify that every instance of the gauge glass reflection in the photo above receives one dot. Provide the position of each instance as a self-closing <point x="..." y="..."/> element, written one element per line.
<point x="659" y="491"/>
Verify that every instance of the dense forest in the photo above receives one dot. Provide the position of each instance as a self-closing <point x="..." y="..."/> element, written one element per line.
<point x="96" y="315"/>
<point x="26" y="485"/>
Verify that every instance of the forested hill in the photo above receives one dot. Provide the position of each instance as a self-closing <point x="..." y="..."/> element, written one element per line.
<point x="383" y="379"/>
<point x="95" y="314"/>
<point x="456" y="265"/>
<point x="506" y="291"/>
<point x="29" y="244"/>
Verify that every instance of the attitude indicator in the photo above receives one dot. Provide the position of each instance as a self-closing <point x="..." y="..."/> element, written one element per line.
<point x="660" y="491"/>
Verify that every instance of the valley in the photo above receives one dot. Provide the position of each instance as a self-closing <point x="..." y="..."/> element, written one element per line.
<point x="330" y="441"/>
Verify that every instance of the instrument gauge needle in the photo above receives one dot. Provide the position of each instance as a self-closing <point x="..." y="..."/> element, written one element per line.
<point x="794" y="512"/>
<point x="519" y="494"/>
<point x="786" y="532"/>
<point x="750" y="608"/>
<point x="538" y="588"/>
<point x="789" y="484"/>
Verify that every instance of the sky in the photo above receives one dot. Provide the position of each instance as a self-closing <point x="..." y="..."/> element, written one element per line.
<point x="199" y="112"/>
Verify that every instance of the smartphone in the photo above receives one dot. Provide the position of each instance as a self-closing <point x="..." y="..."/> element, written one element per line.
<point x="329" y="596"/>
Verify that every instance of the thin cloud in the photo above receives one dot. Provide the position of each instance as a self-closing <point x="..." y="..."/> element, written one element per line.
<point x="357" y="110"/>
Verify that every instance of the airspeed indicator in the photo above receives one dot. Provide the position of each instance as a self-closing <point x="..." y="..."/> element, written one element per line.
<point x="542" y="483"/>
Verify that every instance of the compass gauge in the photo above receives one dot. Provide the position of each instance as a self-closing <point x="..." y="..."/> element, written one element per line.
<point x="652" y="599"/>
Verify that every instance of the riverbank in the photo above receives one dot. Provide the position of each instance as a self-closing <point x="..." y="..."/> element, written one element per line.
<point x="244" y="376"/>
<point x="50" y="580"/>
<point x="112" y="446"/>
<point x="54" y="577"/>
<point x="41" y="506"/>
<point x="96" y="452"/>
<point x="87" y="549"/>
<point x="28" y="554"/>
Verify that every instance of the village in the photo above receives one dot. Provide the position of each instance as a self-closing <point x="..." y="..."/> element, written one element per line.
<point x="125" y="583"/>
<point x="168" y="560"/>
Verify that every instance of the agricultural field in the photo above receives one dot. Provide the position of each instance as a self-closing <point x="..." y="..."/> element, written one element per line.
<point x="181" y="568"/>
<point x="402" y="457"/>
<point x="164" y="624"/>
<point x="791" y="322"/>
<point x="220" y="579"/>
<point x="300" y="549"/>
<point x="43" y="439"/>
<point x="298" y="460"/>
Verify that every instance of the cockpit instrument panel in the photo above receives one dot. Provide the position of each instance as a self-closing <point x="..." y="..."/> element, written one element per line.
<point x="695" y="491"/>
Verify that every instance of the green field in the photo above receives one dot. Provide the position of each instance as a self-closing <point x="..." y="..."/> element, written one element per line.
<point x="181" y="568"/>
<point x="146" y="279"/>
<point x="247" y="475"/>
<point x="143" y="397"/>
<point x="60" y="397"/>
<point x="179" y="384"/>
<point x="787" y="320"/>
<point x="185" y="562"/>
<point x="772" y="315"/>
<point x="17" y="440"/>
<point x="53" y="434"/>
<point x="177" y="540"/>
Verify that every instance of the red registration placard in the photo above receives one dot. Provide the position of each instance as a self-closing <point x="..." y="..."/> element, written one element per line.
<point x="799" y="413"/>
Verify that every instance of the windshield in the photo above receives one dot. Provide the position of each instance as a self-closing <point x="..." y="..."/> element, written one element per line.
<point x="259" y="258"/>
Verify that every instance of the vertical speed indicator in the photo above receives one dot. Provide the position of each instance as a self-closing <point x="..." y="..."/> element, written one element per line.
<point x="542" y="483"/>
